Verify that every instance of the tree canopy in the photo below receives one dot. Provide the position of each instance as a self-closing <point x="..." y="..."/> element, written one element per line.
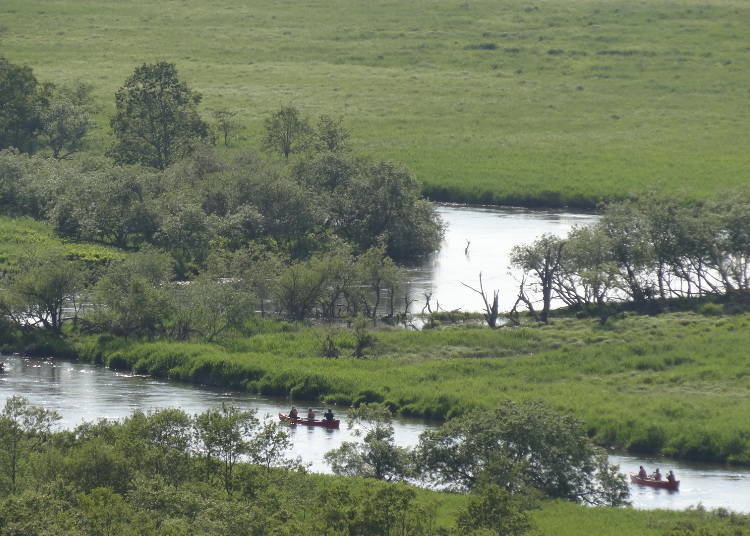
<point x="156" y="119"/>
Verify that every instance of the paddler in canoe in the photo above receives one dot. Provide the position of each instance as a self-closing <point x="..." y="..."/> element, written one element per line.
<point x="293" y="413"/>
<point x="310" y="414"/>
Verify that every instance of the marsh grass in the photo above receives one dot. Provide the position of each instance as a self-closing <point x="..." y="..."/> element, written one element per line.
<point x="19" y="236"/>
<point x="563" y="102"/>
<point x="676" y="384"/>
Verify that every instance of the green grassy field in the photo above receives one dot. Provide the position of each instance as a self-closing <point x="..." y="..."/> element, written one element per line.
<point x="550" y="102"/>
<point x="19" y="236"/>
<point x="678" y="384"/>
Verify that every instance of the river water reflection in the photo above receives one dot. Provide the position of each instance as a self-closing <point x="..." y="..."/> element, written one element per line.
<point x="81" y="392"/>
<point x="490" y="234"/>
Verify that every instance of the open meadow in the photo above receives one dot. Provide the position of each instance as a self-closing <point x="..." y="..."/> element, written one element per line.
<point x="537" y="103"/>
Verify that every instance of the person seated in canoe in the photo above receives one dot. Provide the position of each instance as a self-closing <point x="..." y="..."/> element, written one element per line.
<point x="671" y="477"/>
<point x="328" y="415"/>
<point x="310" y="414"/>
<point x="642" y="473"/>
<point x="293" y="413"/>
<point x="656" y="475"/>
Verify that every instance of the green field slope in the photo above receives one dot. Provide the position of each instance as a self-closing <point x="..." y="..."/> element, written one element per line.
<point x="21" y="236"/>
<point x="549" y="102"/>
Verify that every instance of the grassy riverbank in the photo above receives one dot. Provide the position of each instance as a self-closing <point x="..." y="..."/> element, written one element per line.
<point x="564" y="102"/>
<point x="677" y="384"/>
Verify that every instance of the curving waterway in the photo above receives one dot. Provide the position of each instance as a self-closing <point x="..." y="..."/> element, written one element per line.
<point x="82" y="392"/>
<point x="480" y="239"/>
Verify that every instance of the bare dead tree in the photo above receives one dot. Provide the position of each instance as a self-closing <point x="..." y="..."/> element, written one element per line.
<point x="522" y="298"/>
<point x="490" y="311"/>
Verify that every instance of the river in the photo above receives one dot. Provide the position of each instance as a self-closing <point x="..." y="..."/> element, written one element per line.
<point x="490" y="234"/>
<point x="82" y="392"/>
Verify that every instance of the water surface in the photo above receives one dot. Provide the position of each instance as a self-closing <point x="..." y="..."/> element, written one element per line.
<point x="480" y="240"/>
<point x="82" y="392"/>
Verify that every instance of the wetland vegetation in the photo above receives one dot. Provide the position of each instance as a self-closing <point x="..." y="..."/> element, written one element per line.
<point x="242" y="208"/>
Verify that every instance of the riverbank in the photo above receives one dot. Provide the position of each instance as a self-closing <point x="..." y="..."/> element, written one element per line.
<point x="676" y="384"/>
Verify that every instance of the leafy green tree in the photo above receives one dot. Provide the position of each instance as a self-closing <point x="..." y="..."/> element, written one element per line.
<point x="184" y="231"/>
<point x="257" y="271"/>
<point x="23" y="429"/>
<point x="226" y="124"/>
<point x="132" y="294"/>
<point x="287" y="132"/>
<point x="66" y="121"/>
<point x="493" y="511"/>
<point x="22" y="98"/>
<point x="332" y="134"/>
<point x="378" y="275"/>
<point x="209" y="306"/>
<point x="543" y="260"/>
<point x="223" y="436"/>
<point x="632" y="250"/>
<point x="300" y="286"/>
<point x="521" y="444"/>
<point x="377" y="455"/>
<point x="41" y="287"/>
<point x="156" y="120"/>
<point x="384" y="206"/>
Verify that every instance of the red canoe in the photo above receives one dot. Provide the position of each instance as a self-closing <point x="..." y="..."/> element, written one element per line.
<point x="664" y="484"/>
<point x="334" y="423"/>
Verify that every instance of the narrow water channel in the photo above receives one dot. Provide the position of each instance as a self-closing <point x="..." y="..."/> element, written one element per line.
<point x="81" y="392"/>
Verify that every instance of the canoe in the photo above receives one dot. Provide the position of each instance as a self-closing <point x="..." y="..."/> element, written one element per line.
<point x="334" y="423"/>
<point x="663" y="484"/>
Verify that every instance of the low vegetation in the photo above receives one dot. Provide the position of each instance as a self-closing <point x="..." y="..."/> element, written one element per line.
<point x="636" y="382"/>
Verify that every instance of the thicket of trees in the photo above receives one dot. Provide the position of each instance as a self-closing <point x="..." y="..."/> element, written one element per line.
<point x="643" y="253"/>
<point x="520" y="450"/>
<point x="224" y="471"/>
<point x="318" y="235"/>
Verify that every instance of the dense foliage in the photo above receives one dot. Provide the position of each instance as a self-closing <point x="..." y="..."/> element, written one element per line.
<point x="644" y="253"/>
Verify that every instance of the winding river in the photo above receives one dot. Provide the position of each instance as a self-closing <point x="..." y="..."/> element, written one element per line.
<point x="81" y="392"/>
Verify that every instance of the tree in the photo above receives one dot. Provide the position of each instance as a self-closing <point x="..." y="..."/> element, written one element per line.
<point x="517" y="446"/>
<point x="156" y="121"/>
<point x="332" y="134"/>
<point x="222" y="435"/>
<point x="493" y="511"/>
<point x="543" y="259"/>
<point x="210" y="306"/>
<point x="41" y="287"/>
<point x="300" y="286"/>
<point x="287" y="132"/>
<point x="383" y="205"/>
<point x="377" y="455"/>
<point x="132" y="294"/>
<point x="67" y="120"/>
<point x="377" y="274"/>
<point x="23" y="428"/>
<point x="185" y="232"/>
<point x="491" y="311"/>
<point x="226" y="124"/>
<point x="22" y="99"/>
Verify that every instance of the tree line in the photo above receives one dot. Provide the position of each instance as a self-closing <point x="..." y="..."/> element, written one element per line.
<point x="643" y="253"/>
<point x="226" y="471"/>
